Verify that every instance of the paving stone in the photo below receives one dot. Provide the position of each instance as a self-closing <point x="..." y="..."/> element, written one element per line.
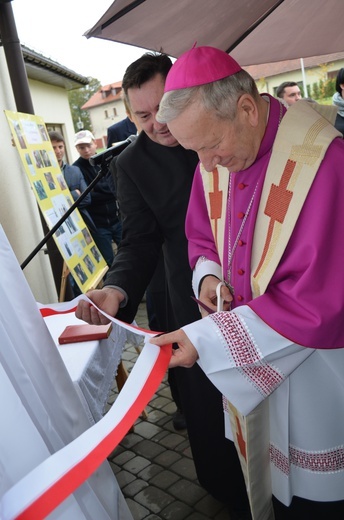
<point x="154" y="499"/>
<point x="124" y="478"/>
<point x="168" y="426"/>
<point x="209" y="506"/>
<point x="163" y="384"/>
<point x="187" y="491"/>
<point x="160" y="402"/>
<point x="138" y="511"/>
<point x="149" y="449"/>
<point x="199" y="516"/>
<point x="184" y="449"/>
<point x="165" y="392"/>
<point x="154" y="396"/>
<point x="155" y="416"/>
<point x="147" y="430"/>
<point x="172" y="440"/>
<point x="166" y="421"/>
<point x="185" y="468"/>
<point x="119" y="449"/>
<point x="128" y="356"/>
<point x="136" y="464"/>
<point x="107" y="408"/>
<point x="169" y="407"/>
<point x="167" y="458"/>
<point x="115" y="468"/>
<point x="122" y="458"/>
<point x="150" y="472"/>
<point x="164" y="479"/>
<point x="111" y="399"/>
<point x="176" y="510"/>
<point x="130" y="440"/>
<point x="161" y="435"/>
<point x="134" y="487"/>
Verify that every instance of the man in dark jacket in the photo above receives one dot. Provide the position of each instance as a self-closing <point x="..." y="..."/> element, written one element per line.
<point x="154" y="178"/>
<point x="103" y="207"/>
<point x="120" y="131"/>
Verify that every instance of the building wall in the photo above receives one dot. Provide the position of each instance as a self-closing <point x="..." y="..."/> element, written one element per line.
<point x="313" y="75"/>
<point x="51" y="103"/>
<point x="100" y="123"/>
<point x="19" y="214"/>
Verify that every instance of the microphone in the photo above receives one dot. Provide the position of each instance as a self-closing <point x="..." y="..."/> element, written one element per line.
<point x="105" y="157"/>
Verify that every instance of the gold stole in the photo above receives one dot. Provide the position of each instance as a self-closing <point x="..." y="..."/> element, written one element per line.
<point x="301" y="143"/>
<point x="303" y="137"/>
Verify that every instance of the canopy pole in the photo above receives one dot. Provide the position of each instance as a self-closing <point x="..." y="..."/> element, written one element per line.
<point x="14" y="59"/>
<point x="305" y="91"/>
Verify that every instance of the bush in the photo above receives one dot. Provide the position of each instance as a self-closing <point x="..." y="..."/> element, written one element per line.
<point x="315" y="91"/>
<point x="323" y="89"/>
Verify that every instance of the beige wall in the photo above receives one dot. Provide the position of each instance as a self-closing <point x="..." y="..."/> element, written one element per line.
<point x="19" y="214"/>
<point x="313" y="75"/>
<point x="100" y="124"/>
<point x="51" y="103"/>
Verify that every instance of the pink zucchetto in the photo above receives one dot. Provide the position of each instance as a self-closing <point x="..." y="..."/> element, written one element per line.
<point x="199" y="66"/>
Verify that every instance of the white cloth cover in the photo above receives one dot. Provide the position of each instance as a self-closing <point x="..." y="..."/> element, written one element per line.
<point x="92" y="365"/>
<point x="40" y="409"/>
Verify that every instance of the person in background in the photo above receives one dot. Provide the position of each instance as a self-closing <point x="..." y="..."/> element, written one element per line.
<point x="72" y="174"/>
<point x="121" y="130"/>
<point x="338" y="101"/>
<point x="76" y="184"/>
<point x="154" y="178"/>
<point x="103" y="207"/>
<point x="290" y="92"/>
<point x="266" y="202"/>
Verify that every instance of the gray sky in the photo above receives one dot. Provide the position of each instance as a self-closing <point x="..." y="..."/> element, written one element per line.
<point x="55" y="30"/>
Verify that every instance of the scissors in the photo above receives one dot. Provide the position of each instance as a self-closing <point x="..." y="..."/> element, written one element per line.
<point x="219" y="300"/>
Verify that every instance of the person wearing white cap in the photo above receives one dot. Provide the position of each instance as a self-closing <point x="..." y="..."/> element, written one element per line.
<point x="103" y="207"/>
<point x="264" y="226"/>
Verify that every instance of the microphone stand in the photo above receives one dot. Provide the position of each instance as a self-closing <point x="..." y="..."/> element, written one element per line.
<point x="102" y="173"/>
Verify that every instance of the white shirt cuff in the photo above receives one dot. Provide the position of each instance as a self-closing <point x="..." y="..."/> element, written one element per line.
<point x="204" y="267"/>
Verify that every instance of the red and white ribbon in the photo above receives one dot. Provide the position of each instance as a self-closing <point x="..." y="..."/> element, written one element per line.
<point x="44" y="488"/>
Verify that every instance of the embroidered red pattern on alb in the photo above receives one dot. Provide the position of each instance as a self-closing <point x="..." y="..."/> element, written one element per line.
<point x="245" y="354"/>
<point x="279" y="459"/>
<point x="327" y="461"/>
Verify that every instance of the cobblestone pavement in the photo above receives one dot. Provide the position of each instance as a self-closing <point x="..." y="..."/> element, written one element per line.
<point x="153" y="463"/>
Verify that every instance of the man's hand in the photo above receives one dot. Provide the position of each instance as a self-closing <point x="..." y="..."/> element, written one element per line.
<point x="107" y="299"/>
<point x="208" y="296"/>
<point x="185" y="355"/>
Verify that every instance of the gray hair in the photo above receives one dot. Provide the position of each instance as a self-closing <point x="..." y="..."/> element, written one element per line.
<point x="220" y="97"/>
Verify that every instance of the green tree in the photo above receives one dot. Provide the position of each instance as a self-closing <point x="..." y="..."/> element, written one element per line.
<point x="321" y="89"/>
<point x="316" y="91"/>
<point x="330" y="87"/>
<point x="77" y="98"/>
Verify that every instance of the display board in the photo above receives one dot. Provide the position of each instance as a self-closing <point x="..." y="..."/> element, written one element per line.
<point x="72" y="238"/>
